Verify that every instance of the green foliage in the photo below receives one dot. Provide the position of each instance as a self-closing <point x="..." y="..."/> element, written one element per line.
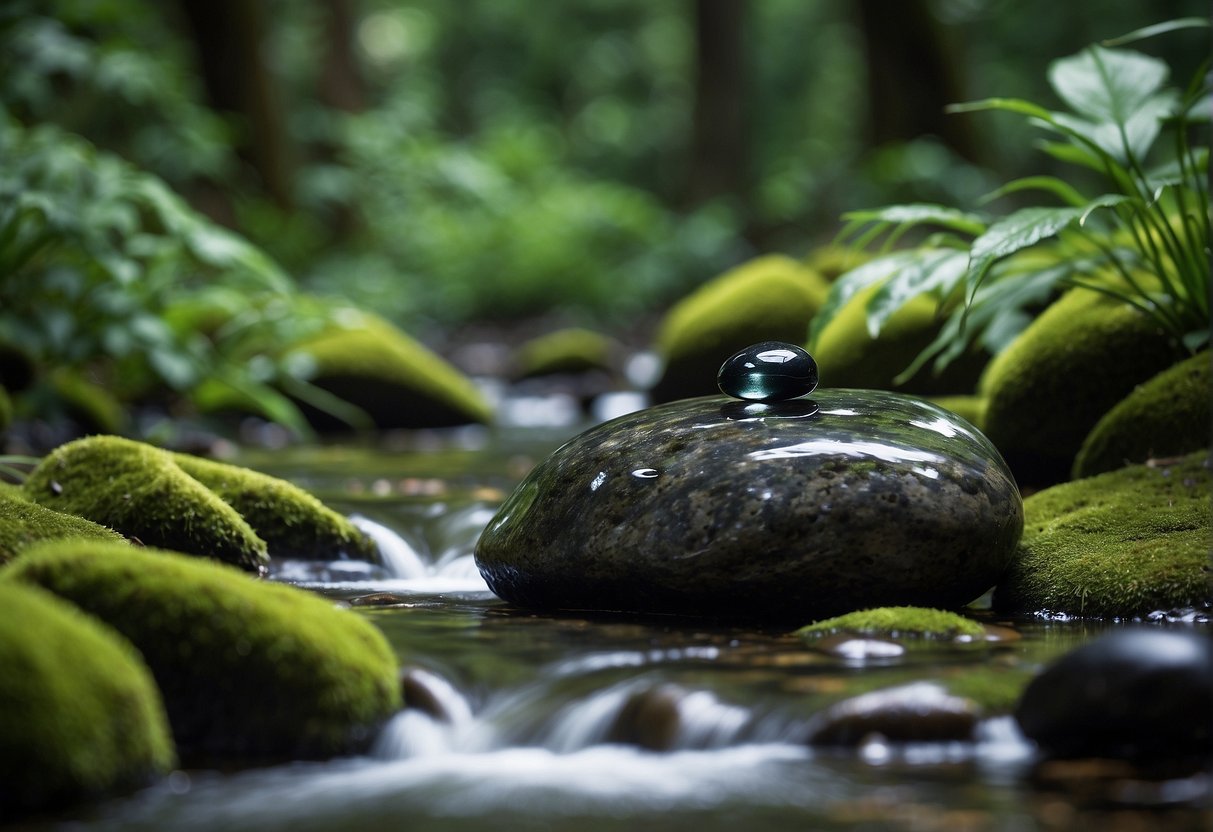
<point x="1150" y="227"/>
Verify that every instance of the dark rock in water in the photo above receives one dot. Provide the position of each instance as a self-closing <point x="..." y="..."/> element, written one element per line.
<point x="920" y="712"/>
<point x="650" y="718"/>
<point x="852" y="499"/>
<point x="768" y="372"/>
<point x="1134" y="694"/>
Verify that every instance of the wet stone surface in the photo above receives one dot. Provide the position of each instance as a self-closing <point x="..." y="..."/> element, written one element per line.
<point x="785" y="512"/>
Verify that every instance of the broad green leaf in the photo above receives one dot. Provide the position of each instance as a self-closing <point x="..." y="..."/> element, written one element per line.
<point x="1023" y="229"/>
<point x="850" y="284"/>
<point x="1107" y="85"/>
<point x="1010" y="105"/>
<point x="923" y="214"/>
<point x="934" y="272"/>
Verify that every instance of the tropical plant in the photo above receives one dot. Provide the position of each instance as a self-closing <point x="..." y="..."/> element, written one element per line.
<point x="105" y="270"/>
<point x="1144" y="240"/>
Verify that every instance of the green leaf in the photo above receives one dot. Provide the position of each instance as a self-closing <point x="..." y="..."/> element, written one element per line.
<point x="1060" y="188"/>
<point x="922" y="214"/>
<point x="850" y="284"/>
<point x="1023" y="229"/>
<point x="1160" y="29"/>
<point x="931" y="271"/>
<point x="1107" y="85"/>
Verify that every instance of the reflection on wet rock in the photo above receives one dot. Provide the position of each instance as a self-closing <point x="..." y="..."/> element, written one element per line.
<point x="1133" y="694"/>
<point x="919" y="712"/>
<point x="859" y="648"/>
<point x="874" y="500"/>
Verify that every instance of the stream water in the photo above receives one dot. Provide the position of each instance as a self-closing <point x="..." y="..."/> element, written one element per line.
<point x="568" y="722"/>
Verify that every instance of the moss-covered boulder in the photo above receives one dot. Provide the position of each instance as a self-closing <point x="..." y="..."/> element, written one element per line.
<point x="24" y="523"/>
<point x="771" y="298"/>
<point x="247" y="669"/>
<point x="140" y="492"/>
<point x="1169" y="415"/>
<point x="80" y="715"/>
<point x="572" y="350"/>
<point x="897" y="622"/>
<point x="291" y="521"/>
<point x="849" y="356"/>
<point x="833" y="261"/>
<point x="393" y="380"/>
<point x="971" y="408"/>
<point x="1124" y="543"/>
<point x="1046" y="391"/>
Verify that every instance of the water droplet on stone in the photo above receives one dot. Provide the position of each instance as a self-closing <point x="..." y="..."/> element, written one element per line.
<point x="768" y="372"/>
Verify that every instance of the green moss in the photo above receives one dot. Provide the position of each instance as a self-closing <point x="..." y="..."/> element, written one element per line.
<point x="79" y="713"/>
<point x="832" y="262"/>
<point x="1167" y="416"/>
<point x="1120" y="544"/>
<point x="291" y="521"/>
<point x="248" y="669"/>
<point x="771" y="298"/>
<point x="564" y="351"/>
<point x="395" y="380"/>
<point x="139" y="491"/>
<point x="850" y="357"/>
<point x="996" y="690"/>
<point x="87" y="403"/>
<point x="970" y="408"/>
<point x="1047" y="390"/>
<point x="897" y="622"/>
<point x="24" y="523"/>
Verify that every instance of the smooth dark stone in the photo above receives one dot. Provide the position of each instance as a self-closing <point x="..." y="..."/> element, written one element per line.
<point x="1131" y="694"/>
<point x="650" y="718"/>
<point x="768" y="372"/>
<point x="873" y="500"/>
<point x="919" y="712"/>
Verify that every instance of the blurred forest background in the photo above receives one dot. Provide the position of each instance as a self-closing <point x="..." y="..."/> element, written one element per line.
<point x="590" y="161"/>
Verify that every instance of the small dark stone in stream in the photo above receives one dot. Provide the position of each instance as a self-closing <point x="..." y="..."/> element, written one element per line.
<point x="419" y="688"/>
<point x="768" y="372"/>
<point x="649" y="718"/>
<point x="1134" y="694"/>
<point x="919" y="712"/>
<point x="861" y="499"/>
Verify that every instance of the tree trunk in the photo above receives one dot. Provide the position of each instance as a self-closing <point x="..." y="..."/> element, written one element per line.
<point x="912" y="76"/>
<point x="228" y="36"/>
<point x="719" y="149"/>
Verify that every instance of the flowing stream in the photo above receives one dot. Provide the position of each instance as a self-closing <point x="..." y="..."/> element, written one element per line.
<point x="571" y="722"/>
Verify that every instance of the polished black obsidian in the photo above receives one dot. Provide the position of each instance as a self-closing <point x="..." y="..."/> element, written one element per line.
<point x="768" y="372"/>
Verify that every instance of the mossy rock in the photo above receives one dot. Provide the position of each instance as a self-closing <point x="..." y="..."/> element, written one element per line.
<point x="1120" y="544"/>
<point x="770" y="298"/>
<point x="849" y="356"/>
<point x="833" y="261"/>
<point x="248" y="669"/>
<point x="391" y="378"/>
<point x="970" y="408"/>
<point x="24" y="523"/>
<point x="1169" y="415"/>
<point x="140" y="492"/>
<point x="1047" y="390"/>
<point x="572" y="350"/>
<point x="80" y="715"/>
<point x="897" y="622"/>
<point x="292" y="522"/>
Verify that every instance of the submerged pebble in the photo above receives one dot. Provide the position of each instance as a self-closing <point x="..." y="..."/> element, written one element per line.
<point x="1132" y="694"/>
<point x="918" y="712"/>
<point x="771" y="371"/>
